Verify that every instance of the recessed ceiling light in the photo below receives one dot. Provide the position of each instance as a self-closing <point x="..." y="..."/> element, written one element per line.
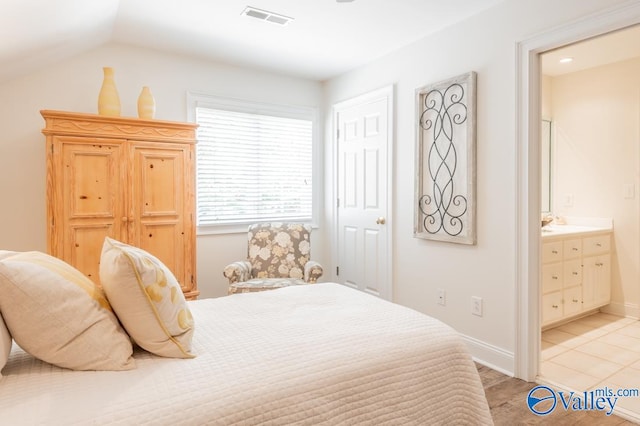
<point x="344" y="1"/>
<point x="265" y="15"/>
<point x="566" y="60"/>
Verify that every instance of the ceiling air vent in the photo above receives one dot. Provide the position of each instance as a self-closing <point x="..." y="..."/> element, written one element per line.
<point x="265" y="15"/>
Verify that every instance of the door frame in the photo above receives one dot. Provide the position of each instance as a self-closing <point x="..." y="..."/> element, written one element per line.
<point x="528" y="115"/>
<point x="387" y="92"/>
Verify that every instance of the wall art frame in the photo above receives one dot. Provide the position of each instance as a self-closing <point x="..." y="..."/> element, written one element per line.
<point x="445" y="186"/>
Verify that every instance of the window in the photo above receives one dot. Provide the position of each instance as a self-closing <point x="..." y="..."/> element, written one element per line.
<point x="254" y="162"/>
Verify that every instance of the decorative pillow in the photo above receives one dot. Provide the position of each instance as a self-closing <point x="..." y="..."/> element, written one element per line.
<point x="147" y="299"/>
<point x="60" y="316"/>
<point x="6" y="253"/>
<point x="5" y="337"/>
<point x="5" y="344"/>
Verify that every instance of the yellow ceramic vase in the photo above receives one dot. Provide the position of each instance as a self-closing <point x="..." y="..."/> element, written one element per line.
<point x="146" y="104"/>
<point x="108" y="99"/>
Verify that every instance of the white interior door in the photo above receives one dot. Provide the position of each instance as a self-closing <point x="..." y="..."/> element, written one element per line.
<point x="363" y="142"/>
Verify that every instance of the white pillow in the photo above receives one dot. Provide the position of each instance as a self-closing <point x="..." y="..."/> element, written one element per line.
<point x="5" y="344"/>
<point x="60" y="316"/>
<point x="147" y="299"/>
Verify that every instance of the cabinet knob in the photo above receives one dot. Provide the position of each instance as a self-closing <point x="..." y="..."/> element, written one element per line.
<point x="554" y="251"/>
<point x="554" y="277"/>
<point x="599" y="264"/>
<point x="574" y="273"/>
<point x="598" y="245"/>
<point x="575" y="300"/>
<point x="554" y="306"/>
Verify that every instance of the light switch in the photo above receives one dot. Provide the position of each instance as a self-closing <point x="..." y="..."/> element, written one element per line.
<point x="568" y="200"/>
<point x="629" y="190"/>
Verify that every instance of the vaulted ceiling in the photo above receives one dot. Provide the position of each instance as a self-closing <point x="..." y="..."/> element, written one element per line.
<point x="325" y="37"/>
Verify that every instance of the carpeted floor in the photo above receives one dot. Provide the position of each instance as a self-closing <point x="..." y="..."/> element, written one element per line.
<point x="507" y="399"/>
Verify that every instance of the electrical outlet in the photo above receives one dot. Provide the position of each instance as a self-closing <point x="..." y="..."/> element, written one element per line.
<point x="442" y="297"/>
<point x="476" y="305"/>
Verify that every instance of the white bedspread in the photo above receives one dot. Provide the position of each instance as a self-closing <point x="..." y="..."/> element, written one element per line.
<point x="320" y="354"/>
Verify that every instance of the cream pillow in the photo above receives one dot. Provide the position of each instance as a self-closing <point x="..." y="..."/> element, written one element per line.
<point x="5" y="337"/>
<point x="5" y="344"/>
<point x="6" y="253"/>
<point x="60" y="316"/>
<point x="147" y="299"/>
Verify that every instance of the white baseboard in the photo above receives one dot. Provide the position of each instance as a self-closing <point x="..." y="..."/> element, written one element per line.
<point x="491" y="356"/>
<point x="628" y="310"/>
<point x="504" y="361"/>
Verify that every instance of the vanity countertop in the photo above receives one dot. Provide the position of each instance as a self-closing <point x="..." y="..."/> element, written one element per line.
<point x="554" y="230"/>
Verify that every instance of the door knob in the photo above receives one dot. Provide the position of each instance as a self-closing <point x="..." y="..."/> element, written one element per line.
<point x="381" y="220"/>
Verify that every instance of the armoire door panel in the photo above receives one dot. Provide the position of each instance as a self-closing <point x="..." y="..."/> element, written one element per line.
<point x="159" y="206"/>
<point x="159" y="176"/>
<point x="85" y="247"/>
<point x="91" y="178"/>
<point x="91" y="204"/>
<point x="165" y="241"/>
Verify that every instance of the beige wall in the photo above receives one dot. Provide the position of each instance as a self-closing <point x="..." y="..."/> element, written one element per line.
<point x="73" y="85"/>
<point x="596" y="116"/>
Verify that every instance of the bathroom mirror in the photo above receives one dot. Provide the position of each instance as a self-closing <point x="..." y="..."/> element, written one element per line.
<point x="545" y="171"/>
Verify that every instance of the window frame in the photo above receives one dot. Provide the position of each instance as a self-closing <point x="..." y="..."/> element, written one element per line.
<point x="198" y="99"/>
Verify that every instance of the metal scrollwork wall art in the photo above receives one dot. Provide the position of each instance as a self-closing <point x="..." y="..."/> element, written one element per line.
<point x="445" y="197"/>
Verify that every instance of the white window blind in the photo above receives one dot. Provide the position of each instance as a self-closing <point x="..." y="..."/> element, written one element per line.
<point x="252" y="167"/>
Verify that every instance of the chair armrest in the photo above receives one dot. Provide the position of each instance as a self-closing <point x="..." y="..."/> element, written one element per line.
<point x="312" y="271"/>
<point x="238" y="271"/>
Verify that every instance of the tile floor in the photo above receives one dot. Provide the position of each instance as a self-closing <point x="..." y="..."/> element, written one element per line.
<point x="593" y="352"/>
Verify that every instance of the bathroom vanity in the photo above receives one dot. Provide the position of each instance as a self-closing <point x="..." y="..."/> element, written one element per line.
<point x="576" y="270"/>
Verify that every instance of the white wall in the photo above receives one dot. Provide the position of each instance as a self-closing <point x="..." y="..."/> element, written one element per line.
<point x="596" y="116"/>
<point x="73" y="85"/>
<point x="486" y="44"/>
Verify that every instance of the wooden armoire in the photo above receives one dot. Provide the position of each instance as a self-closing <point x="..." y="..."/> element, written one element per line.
<point x="130" y="179"/>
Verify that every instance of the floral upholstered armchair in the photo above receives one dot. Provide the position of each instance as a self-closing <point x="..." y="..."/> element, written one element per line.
<point x="278" y="256"/>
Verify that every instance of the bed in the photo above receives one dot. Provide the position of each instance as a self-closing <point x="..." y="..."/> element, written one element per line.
<point x="315" y="354"/>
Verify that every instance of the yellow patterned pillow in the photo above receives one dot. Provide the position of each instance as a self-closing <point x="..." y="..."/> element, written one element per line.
<point x="147" y="299"/>
<point x="60" y="316"/>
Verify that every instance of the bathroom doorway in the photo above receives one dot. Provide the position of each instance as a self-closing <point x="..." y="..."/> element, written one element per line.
<point x="527" y="186"/>
<point x="589" y="96"/>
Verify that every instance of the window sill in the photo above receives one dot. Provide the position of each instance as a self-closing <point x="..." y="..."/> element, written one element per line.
<point x="237" y="228"/>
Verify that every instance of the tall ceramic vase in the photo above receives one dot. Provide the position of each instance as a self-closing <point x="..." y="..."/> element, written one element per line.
<point x="146" y="104"/>
<point x="108" y="100"/>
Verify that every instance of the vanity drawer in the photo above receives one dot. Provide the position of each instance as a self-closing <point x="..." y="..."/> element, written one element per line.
<point x="552" y="251"/>
<point x="572" y="248"/>
<point x="552" y="277"/>
<point x="551" y="307"/>
<point x="572" y="300"/>
<point x="596" y="245"/>
<point x="572" y="273"/>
